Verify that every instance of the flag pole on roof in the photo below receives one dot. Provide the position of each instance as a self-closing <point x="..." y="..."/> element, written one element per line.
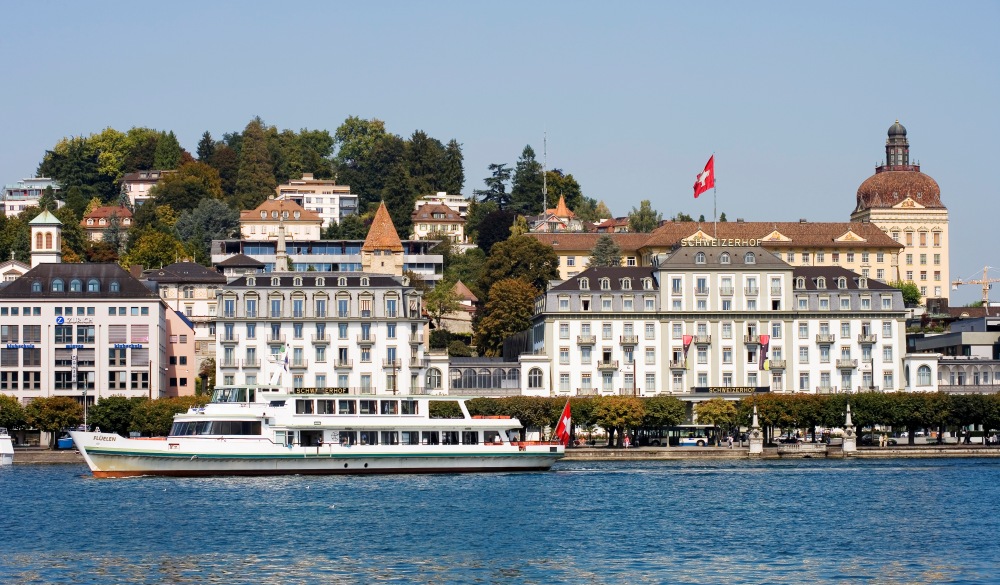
<point x="704" y="182"/>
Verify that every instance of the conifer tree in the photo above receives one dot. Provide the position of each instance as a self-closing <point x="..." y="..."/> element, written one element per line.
<point x="526" y="188"/>
<point x="606" y="252"/>
<point x="255" y="180"/>
<point x="206" y="148"/>
<point x="168" y="152"/>
<point x="452" y="177"/>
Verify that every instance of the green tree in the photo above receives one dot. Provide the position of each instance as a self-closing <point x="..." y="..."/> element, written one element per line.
<point x="602" y="211"/>
<point x="458" y="348"/>
<point x="360" y="158"/>
<point x="155" y="417"/>
<point x="478" y="210"/>
<point x="617" y="414"/>
<point x="206" y="148"/>
<point x="113" y="414"/>
<point x="141" y="150"/>
<point x="424" y="159"/>
<point x="717" y="412"/>
<point x="606" y="252"/>
<point x="509" y="310"/>
<point x="526" y="187"/>
<point x="521" y="257"/>
<point x="722" y="217"/>
<point x="663" y="411"/>
<point x="442" y="300"/>
<point x="911" y="292"/>
<point x="452" y="177"/>
<point x="465" y="267"/>
<point x="519" y="227"/>
<point x="210" y="220"/>
<point x="496" y="186"/>
<point x="227" y="163"/>
<point x="153" y="249"/>
<point x="12" y="415"/>
<point x="681" y="216"/>
<point x="185" y="189"/>
<point x="255" y="180"/>
<point x="645" y="219"/>
<point x="53" y="414"/>
<point x="168" y="152"/>
<point x="495" y="228"/>
<point x="560" y="184"/>
<point x="352" y="227"/>
<point x="587" y="210"/>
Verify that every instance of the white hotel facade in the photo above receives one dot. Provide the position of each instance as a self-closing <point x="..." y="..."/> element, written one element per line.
<point x="697" y="322"/>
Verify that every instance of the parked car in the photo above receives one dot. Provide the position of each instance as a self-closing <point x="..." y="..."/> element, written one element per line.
<point x="870" y="441"/>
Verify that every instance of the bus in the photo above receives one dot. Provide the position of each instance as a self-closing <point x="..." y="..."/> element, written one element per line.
<point x="677" y="436"/>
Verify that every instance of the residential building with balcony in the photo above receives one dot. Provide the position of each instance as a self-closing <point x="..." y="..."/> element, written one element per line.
<point x="100" y="220"/>
<point x="26" y="193"/>
<point x="437" y="221"/>
<point x="324" y="197"/>
<point x="138" y="185"/>
<point x="455" y="202"/>
<point x="261" y="224"/>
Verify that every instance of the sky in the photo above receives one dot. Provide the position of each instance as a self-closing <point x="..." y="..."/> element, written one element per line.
<point x="793" y="98"/>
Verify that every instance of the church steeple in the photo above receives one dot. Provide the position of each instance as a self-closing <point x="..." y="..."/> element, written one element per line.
<point x="897" y="147"/>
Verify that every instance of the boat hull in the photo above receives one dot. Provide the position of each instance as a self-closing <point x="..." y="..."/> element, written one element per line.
<point x="112" y="456"/>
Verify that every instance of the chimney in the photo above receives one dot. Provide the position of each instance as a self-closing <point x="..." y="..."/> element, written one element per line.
<point x="739" y="220"/>
<point x="803" y="220"/>
<point x="307" y="176"/>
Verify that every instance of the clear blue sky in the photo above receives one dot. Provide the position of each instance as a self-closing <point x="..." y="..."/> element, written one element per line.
<point x="794" y="98"/>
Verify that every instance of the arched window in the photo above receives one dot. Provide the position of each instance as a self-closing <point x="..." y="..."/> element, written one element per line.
<point x="724" y="258"/>
<point x="58" y="285"/>
<point x="263" y="215"/>
<point x="862" y="282"/>
<point x="605" y="284"/>
<point x="821" y="282"/>
<point x="275" y="281"/>
<point x="584" y="284"/>
<point x="924" y="376"/>
<point x="93" y="285"/>
<point x="365" y="281"/>
<point x="469" y="378"/>
<point x="456" y="378"/>
<point x="433" y="379"/>
<point x="749" y="258"/>
<point x="297" y="281"/>
<point x="800" y="282"/>
<point x="342" y="281"/>
<point x="535" y="378"/>
<point x="114" y="286"/>
<point x="699" y="258"/>
<point x="251" y="281"/>
<point x="497" y="378"/>
<point x="36" y="287"/>
<point x="320" y="281"/>
<point x="484" y="378"/>
<point x="75" y="285"/>
<point x="841" y="283"/>
<point x="48" y="241"/>
<point x="626" y="284"/>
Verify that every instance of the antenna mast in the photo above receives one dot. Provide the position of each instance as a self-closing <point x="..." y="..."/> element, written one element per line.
<point x="545" y="160"/>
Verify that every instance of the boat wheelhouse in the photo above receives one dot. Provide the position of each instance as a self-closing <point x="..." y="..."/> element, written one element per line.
<point x="268" y="430"/>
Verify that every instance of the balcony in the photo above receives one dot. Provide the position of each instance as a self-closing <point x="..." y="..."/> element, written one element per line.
<point x="702" y="339"/>
<point x="777" y="364"/>
<point x="298" y="314"/>
<point x="586" y="339"/>
<point x="320" y="314"/>
<point x="868" y="389"/>
<point x="677" y="365"/>
<point x="845" y="364"/>
<point x="229" y="363"/>
<point x="274" y="315"/>
<point x="321" y="338"/>
<point x="587" y="392"/>
<point x="751" y="339"/>
<point x="869" y="338"/>
<point x="230" y="338"/>
<point x="751" y="291"/>
<point x="343" y="364"/>
<point x="826" y="389"/>
<point x="392" y="364"/>
<point x="343" y="314"/>
<point x="229" y="314"/>
<point x="417" y="338"/>
<point x="251" y="363"/>
<point x="366" y="314"/>
<point x="629" y="339"/>
<point x="825" y="338"/>
<point x="366" y="339"/>
<point x="391" y="314"/>
<point x="775" y="291"/>
<point x="701" y="290"/>
<point x="726" y="291"/>
<point x="299" y="363"/>
<point x="250" y="314"/>
<point x="416" y="362"/>
<point x="607" y="365"/>
<point x="276" y="338"/>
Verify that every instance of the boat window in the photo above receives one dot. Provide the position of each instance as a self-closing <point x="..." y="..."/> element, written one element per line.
<point x="492" y="437"/>
<point x="411" y="437"/>
<point x="303" y="406"/>
<point x="325" y="406"/>
<point x="276" y="403"/>
<point x="449" y="437"/>
<point x="347" y="437"/>
<point x="409" y="407"/>
<point x="470" y="437"/>
<point x="369" y="437"/>
<point x="369" y="407"/>
<point x="429" y="438"/>
<point x="390" y="407"/>
<point x="390" y="437"/>
<point x="347" y="406"/>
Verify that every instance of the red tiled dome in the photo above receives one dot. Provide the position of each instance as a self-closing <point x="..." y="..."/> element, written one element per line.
<point x="888" y="188"/>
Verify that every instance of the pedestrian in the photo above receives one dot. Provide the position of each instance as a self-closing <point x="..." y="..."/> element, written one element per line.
<point x="729" y="440"/>
<point x="626" y="441"/>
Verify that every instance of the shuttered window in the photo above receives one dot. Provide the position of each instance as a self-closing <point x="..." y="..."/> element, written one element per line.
<point x="140" y="334"/>
<point x="117" y="334"/>
<point x="8" y="357"/>
<point x="140" y="357"/>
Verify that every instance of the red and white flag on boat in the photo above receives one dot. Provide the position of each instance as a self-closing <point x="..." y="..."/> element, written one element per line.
<point x="565" y="426"/>
<point x="706" y="178"/>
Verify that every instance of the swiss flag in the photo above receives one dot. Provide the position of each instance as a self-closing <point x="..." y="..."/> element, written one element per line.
<point x="564" y="426"/>
<point x="706" y="179"/>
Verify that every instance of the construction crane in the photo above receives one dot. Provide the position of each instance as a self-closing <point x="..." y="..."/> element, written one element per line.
<point x="987" y="283"/>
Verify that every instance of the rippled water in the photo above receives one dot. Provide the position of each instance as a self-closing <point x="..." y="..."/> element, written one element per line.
<point x="909" y="521"/>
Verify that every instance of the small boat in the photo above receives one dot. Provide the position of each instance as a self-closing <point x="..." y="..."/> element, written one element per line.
<point x="6" y="448"/>
<point x="267" y="430"/>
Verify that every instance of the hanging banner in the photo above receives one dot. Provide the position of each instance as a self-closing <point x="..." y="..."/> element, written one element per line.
<point x="686" y="339"/>
<point x="765" y="364"/>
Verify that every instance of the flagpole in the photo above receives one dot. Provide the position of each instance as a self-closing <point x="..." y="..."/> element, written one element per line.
<point x="715" y="208"/>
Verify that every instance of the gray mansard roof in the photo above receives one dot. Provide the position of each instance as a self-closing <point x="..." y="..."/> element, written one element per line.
<point x="287" y="280"/>
<point x="184" y="273"/>
<point x="614" y="274"/>
<point x="105" y="274"/>
<point x="831" y="274"/>
<point x="684" y="258"/>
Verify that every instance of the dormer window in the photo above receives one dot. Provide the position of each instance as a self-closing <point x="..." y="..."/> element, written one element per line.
<point x="58" y="285"/>
<point x="842" y="283"/>
<point x="102" y="221"/>
<point x="36" y="287"/>
<point x="90" y="221"/>
<point x="626" y="284"/>
<point x="274" y="214"/>
<point x="320" y="281"/>
<point x="93" y="285"/>
<point x="605" y="284"/>
<point x="297" y="281"/>
<point x="724" y="258"/>
<point x="251" y="281"/>
<point x="647" y="284"/>
<point x="749" y="258"/>
<point x="75" y="285"/>
<point x="699" y="258"/>
<point x="275" y="281"/>
<point x="800" y="282"/>
<point x="365" y="281"/>
<point x="114" y="286"/>
<point x="821" y="282"/>
<point x="263" y="215"/>
<point x="584" y="284"/>
<point x="862" y="282"/>
<point x="296" y="215"/>
<point x="284" y="215"/>
<point x="342" y="281"/>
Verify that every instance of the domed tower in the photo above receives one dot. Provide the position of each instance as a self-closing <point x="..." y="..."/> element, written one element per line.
<point x="46" y="239"/>
<point x="906" y="204"/>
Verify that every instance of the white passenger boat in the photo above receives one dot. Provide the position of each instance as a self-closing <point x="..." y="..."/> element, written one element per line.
<point x="262" y="430"/>
<point x="6" y="448"/>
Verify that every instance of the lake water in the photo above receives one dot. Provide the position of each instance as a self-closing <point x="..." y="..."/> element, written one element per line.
<point x="905" y="521"/>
